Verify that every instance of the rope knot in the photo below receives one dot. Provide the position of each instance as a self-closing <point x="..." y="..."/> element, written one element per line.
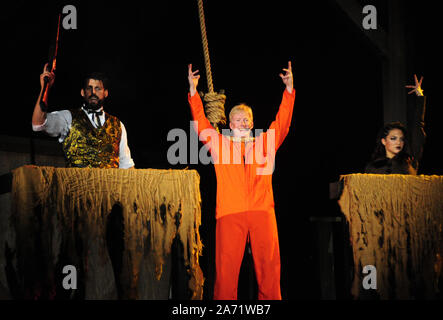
<point x="215" y="107"/>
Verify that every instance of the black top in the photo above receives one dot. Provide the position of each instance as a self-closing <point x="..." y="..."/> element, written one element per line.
<point x="406" y="162"/>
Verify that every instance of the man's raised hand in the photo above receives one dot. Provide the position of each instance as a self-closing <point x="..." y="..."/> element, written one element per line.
<point x="193" y="78"/>
<point x="287" y="78"/>
<point x="46" y="73"/>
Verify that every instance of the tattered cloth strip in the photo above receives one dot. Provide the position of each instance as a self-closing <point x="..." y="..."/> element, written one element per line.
<point x="61" y="213"/>
<point x="395" y="224"/>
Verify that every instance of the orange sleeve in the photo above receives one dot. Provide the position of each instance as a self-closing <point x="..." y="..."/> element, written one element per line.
<point x="283" y="119"/>
<point x="198" y="113"/>
<point x="206" y="132"/>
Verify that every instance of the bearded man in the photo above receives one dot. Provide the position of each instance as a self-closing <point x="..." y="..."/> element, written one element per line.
<point x="89" y="136"/>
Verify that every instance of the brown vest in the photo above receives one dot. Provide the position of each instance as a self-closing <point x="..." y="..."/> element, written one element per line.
<point x="86" y="146"/>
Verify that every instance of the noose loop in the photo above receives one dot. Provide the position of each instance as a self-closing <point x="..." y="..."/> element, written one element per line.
<point x="215" y="108"/>
<point x="214" y="102"/>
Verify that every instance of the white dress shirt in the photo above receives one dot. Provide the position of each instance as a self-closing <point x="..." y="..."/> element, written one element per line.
<point x="58" y="123"/>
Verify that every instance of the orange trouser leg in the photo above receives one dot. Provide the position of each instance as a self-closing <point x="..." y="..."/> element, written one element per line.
<point x="231" y="233"/>
<point x="266" y="254"/>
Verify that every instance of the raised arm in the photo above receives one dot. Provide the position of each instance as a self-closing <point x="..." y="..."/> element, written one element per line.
<point x="283" y="119"/>
<point x="195" y="102"/>
<point x="38" y="116"/>
<point x="416" y="129"/>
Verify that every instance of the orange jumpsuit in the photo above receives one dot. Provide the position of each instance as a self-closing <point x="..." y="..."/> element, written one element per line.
<point x="245" y="201"/>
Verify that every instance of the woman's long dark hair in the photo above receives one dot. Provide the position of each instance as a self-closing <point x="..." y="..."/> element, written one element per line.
<point x="380" y="150"/>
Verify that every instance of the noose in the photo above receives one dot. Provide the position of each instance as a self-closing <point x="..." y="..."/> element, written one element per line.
<point x="214" y="102"/>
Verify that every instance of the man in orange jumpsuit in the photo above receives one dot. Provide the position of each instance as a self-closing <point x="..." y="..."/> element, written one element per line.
<point x="245" y="202"/>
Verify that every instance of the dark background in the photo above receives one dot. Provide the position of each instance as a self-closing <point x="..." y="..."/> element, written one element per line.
<point x="145" y="49"/>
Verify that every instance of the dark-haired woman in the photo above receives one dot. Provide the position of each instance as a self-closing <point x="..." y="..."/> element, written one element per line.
<point x="398" y="150"/>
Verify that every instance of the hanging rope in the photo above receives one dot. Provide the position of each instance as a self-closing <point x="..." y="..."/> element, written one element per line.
<point x="214" y="102"/>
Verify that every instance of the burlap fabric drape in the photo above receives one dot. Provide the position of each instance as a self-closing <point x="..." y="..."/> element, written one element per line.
<point x="395" y="224"/>
<point x="61" y="213"/>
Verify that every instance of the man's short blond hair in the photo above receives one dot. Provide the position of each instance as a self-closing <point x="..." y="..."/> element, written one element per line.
<point x="239" y="108"/>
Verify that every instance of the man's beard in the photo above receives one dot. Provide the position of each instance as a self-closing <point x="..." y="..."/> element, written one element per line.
<point x="97" y="104"/>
